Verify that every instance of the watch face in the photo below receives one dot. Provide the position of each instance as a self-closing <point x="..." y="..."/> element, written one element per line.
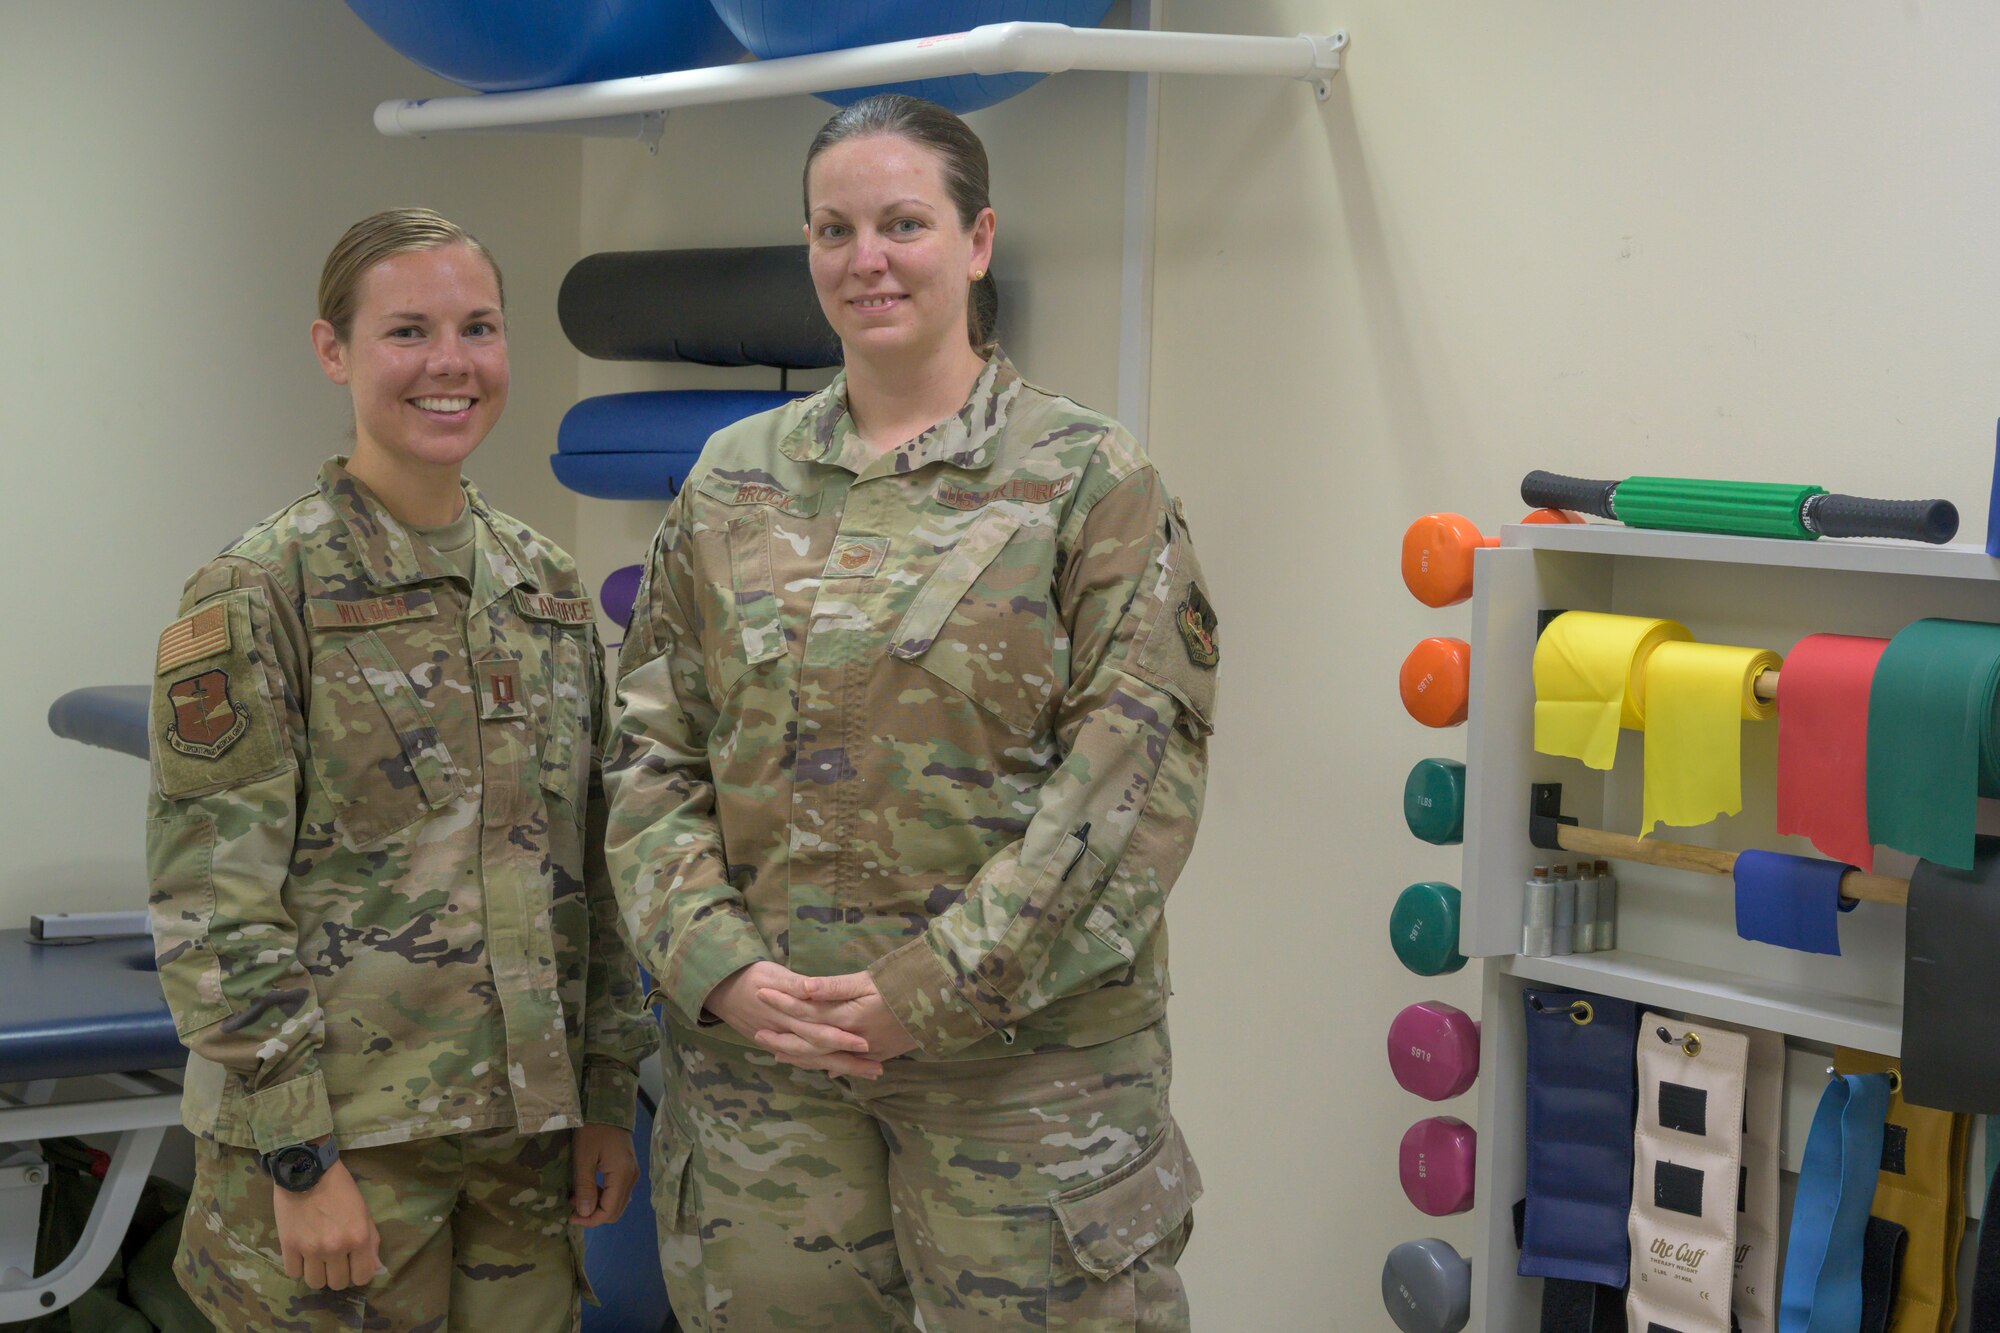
<point x="296" y="1168"/>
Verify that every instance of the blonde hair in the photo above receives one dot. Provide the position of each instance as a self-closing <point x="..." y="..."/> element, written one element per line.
<point x="380" y="236"/>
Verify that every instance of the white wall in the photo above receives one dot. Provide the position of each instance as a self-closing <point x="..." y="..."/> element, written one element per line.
<point x="1697" y="239"/>
<point x="175" y="175"/>
<point x="1705" y="239"/>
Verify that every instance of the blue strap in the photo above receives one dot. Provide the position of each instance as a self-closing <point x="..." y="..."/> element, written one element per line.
<point x="1790" y="901"/>
<point x="1822" y="1286"/>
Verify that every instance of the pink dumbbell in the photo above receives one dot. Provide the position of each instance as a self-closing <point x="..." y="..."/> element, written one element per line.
<point x="1436" y="1165"/>
<point x="1434" y="1050"/>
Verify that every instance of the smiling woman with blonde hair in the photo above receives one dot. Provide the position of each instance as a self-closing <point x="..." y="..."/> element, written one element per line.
<point x="917" y="696"/>
<point x="380" y="922"/>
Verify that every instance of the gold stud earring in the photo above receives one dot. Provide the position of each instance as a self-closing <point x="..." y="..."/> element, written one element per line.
<point x="978" y="273"/>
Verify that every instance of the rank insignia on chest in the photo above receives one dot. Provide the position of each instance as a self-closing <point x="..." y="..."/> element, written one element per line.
<point x="856" y="557"/>
<point x="1196" y="619"/>
<point x="207" y="721"/>
<point x="499" y="689"/>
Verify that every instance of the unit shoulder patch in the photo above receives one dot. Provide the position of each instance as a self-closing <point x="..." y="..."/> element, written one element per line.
<point x="212" y="722"/>
<point x="1196" y="620"/>
<point x="206" y="720"/>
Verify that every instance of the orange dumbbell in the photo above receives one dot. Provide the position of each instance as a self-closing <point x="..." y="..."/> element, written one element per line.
<point x="1437" y="554"/>
<point x="1436" y="681"/>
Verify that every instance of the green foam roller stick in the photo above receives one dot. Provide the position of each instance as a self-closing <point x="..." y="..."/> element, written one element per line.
<point x="1424" y="929"/>
<point x="1743" y="508"/>
<point x="1434" y="801"/>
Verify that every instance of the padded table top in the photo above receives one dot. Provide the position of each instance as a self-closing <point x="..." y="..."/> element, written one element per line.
<point x="113" y="716"/>
<point x="72" y="1009"/>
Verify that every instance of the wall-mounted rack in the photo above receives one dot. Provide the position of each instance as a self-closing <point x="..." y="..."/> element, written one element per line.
<point x="636" y="108"/>
<point x="631" y="107"/>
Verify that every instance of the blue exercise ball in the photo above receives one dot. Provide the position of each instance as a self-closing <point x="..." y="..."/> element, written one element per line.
<point x="498" y="46"/>
<point x="773" y="28"/>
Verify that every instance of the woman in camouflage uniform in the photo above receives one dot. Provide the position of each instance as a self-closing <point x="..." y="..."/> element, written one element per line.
<point x="917" y="696"/>
<point x="413" y="1029"/>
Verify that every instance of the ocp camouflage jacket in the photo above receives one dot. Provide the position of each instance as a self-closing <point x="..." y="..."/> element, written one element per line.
<point x="939" y="714"/>
<point x="378" y="896"/>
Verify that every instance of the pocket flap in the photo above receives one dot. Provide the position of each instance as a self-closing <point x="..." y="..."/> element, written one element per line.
<point x="950" y="581"/>
<point x="760" y="615"/>
<point x="1111" y="1222"/>
<point x="410" y="719"/>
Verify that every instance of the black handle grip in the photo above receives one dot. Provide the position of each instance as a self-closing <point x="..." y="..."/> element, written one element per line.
<point x="1547" y="490"/>
<point x="1934" y="521"/>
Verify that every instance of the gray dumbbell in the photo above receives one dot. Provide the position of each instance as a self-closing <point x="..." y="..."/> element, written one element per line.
<point x="1427" y="1287"/>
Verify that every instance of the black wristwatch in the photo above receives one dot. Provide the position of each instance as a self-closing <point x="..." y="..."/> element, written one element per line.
<point x="297" y="1167"/>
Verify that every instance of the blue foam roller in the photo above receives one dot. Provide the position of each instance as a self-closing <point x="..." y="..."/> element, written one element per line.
<point x="505" y="45"/>
<point x="671" y="420"/>
<point x="641" y="446"/>
<point x="775" y="28"/>
<point x="653" y="476"/>
<point x="113" y="716"/>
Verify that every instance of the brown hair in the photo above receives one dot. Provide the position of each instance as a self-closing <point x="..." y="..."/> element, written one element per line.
<point x="967" y="178"/>
<point x="380" y="236"/>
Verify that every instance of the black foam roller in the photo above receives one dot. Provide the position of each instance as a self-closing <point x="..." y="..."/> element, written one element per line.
<point x="748" y="306"/>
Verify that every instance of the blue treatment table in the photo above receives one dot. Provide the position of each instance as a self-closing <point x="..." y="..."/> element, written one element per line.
<point x="81" y="1010"/>
<point x="76" y="1010"/>
<point x="84" y="1008"/>
<point x="113" y="716"/>
<point x="72" y="1010"/>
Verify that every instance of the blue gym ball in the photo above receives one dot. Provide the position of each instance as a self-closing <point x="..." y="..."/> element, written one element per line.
<point x="504" y="45"/>
<point x="774" y="28"/>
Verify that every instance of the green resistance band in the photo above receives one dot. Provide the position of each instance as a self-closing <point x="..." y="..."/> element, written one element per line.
<point x="1933" y="739"/>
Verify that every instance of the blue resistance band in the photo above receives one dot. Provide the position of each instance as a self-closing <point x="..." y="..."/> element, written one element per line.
<point x="1993" y="505"/>
<point x="1791" y="901"/>
<point x="1822" y="1285"/>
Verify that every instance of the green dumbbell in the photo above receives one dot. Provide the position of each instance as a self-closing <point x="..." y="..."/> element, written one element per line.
<point x="1434" y="801"/>
<point x="1424" y="929"/>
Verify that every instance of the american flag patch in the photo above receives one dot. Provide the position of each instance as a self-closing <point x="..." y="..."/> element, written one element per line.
<point x="191" y="638"/>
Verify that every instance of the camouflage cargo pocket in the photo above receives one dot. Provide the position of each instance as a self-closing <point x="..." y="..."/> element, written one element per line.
<point x="1116" y="1241"/>
<point x="983" y="622"/>
<point x="676" y="1205"/>
<point x="229" y="1259"/>
<point x="374" y="747"/>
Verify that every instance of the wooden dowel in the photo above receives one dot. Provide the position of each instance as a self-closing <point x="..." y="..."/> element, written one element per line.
<point x="1709" y="861"/>
<point x="1765" y="687"/>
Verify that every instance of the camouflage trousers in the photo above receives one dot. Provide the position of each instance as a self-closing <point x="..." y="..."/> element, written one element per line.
<point x="475" y="1235"/>
<point x="1046" y="1191"/>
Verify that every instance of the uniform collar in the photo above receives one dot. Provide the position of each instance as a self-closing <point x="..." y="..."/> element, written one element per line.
<point x="391" y="557"/>
<point x="825" y="433"/>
